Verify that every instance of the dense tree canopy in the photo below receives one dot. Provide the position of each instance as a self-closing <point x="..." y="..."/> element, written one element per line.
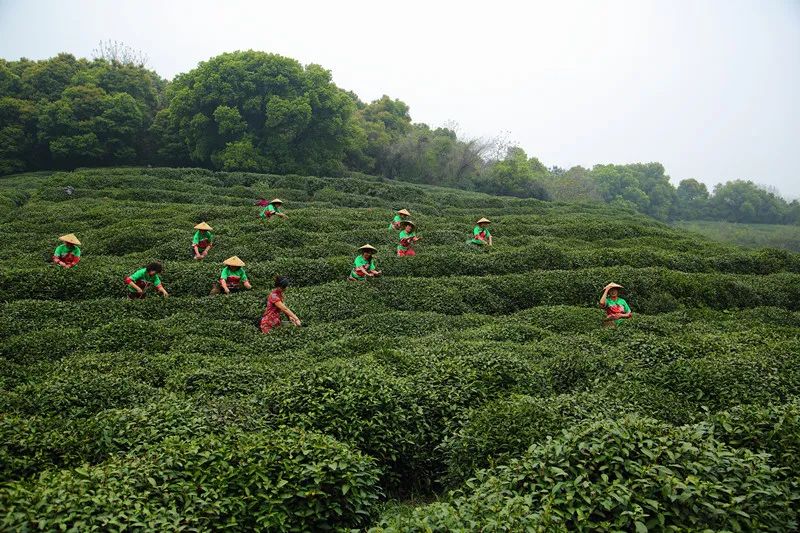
<point x="256" y="111"/>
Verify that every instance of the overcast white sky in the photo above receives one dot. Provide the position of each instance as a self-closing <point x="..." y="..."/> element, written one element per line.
<point x="709" y="88"/>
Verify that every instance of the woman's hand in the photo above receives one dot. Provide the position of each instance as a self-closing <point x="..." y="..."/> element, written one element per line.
<point x="295" y="321"/>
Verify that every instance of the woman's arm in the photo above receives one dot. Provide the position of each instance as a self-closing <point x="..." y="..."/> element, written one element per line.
<point x="224" y="285"/>
<point x="603" y="297"/>
<point x="247" y="285"/>
<point x="288" y="312"/>
<point x="160" y="288"/>
<point x="131" y="283"/>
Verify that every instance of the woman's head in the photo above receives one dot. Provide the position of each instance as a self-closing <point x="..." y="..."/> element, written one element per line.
<point x="613" y="293"/>
<point x="154" y="268"/>
<point x="409" y="227"/>
<point x="281" y="282"/>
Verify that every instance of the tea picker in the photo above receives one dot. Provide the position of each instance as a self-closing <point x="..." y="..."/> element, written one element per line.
<point x="143" y="278"/>
<point x="364" y="264"/>
<point x="407" y="239"/>
<point x="481" y="235"/>
<point x="203" y="240"/>
<point x="232" y="278"/>
<point x="275" y="306"/>
<point x="68" y="253"/>
<point x="616" y="308"/>
<point x="273" y="208"/>
<point x="396" y="223"/>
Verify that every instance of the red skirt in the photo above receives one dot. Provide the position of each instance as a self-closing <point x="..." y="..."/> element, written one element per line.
<point x="405" y="253"/>
<point x="269" y="321"/>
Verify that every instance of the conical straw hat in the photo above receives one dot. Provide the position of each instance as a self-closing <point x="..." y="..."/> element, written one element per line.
<point x="70" y="238"/>
<point x="203" y="226"/>
<point x="233" y="261"/>
<point x="404" y="212"/>
<point x="368" y="247"/>
<point x="613" y="285"/>
<point x="484" y="221"/>
<point x="405" y="222"/>
<point x="276" y="201"/>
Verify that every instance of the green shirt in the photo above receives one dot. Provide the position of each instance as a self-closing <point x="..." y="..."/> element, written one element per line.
<point x="359" y="263"/>
<point x="64" y="249"/>
<point x="404" y="235"/>
<point x="396" y="219"/>
<point x="269" y="211"/>
<point x="143" y="280"/>
<point x="200" y="236"/>
<point x="476" y="231"/>
<point x="616" y="306"/>
<point x="233" y="276"/>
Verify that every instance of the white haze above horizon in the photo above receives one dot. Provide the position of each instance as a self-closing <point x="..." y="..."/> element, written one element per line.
<point x="709" y="89"/>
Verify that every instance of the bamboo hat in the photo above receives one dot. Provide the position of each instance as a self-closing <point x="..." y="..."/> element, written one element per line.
<point x="70" y="238"/>
<point x="613" y="286"/>
<point x="484" y="221"/>
<point x="233" y="262"/>
<point x="368" y="247"/>
<point x="276" y="201"/>
<point x="404" y="212"/>
<point x="203" y="226"/>
<point x="404" y="222"/>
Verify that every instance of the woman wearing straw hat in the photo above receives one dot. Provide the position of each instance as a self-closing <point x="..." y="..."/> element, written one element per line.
<point x="275" y="306"/>
<point x="203" y="240"/>
<point x="232" y="278"/>
<point x="68" y="253"/>
<point x="480" y="233"/>
<point x="397" y="222"/>
<point x="407" y="240"/>
<point x="616" y="308"/>
<point x="143" y="278"/>
<point x="273" y="209"/>
<point x="364" y="264"/>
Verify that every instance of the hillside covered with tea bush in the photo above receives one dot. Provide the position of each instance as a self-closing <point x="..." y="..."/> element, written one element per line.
<point x="465" y="390"/>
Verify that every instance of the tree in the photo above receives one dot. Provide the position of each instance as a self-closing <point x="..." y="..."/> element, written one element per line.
<point x="285" y="117"/>
<point x="692" y="200"/>
<point x="515" y="175"/>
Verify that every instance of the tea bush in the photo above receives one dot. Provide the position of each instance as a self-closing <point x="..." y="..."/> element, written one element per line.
<point x="456" y="360"/>
<point x="279" y="481"/>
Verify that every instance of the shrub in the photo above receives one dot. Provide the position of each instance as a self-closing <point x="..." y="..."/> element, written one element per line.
<point x="623" y="475"/>
<point x="281" y="481"/>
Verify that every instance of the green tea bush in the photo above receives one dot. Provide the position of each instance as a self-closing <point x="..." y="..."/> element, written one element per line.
<point x="356" y="402"/>
<point x="623" y="475"/>
<point x="279" y="481"/>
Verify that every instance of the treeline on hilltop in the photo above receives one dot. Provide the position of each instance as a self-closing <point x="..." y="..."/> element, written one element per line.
<point x="254" y="111"/>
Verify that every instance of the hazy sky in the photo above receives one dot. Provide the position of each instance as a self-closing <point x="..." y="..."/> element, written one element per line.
<point x="708" y="88"/>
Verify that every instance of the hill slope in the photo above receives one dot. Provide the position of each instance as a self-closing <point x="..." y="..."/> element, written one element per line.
<point x="457" y="360"/>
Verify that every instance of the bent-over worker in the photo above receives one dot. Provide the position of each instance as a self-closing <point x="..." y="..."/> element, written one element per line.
<point x="140" y="280"/>
<point x="203" y="240"/>
<point x="275" y="306"/>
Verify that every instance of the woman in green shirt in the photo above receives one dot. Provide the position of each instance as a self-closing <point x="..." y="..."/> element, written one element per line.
<point x="273" y="209"/>
<point x="364" y="265"/>
<point x="407" y="240"/>
<point x="397" y="221"/>
<point x="143" y="278"/>
<point x="232" y="278"/>
<point x="67" y="254"/>
<point x="203" y="241"/>
<point x="615" y="307"/>
<point x="480" y="233"/>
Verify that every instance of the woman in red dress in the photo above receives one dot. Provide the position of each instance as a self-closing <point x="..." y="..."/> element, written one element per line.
<point x="275" y="306"/>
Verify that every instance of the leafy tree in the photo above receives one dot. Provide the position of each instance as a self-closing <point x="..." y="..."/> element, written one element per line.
<point x="744" y="201"/>
<point x="515" y="175"/>
<point x="692" y="199"/>
<point x="262" y="110"/>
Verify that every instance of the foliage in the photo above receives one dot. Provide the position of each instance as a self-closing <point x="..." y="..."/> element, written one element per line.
<point x="456" y="360"/>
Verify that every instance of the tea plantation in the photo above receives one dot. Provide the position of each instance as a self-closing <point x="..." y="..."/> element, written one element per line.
<point x="465" y="390"/>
